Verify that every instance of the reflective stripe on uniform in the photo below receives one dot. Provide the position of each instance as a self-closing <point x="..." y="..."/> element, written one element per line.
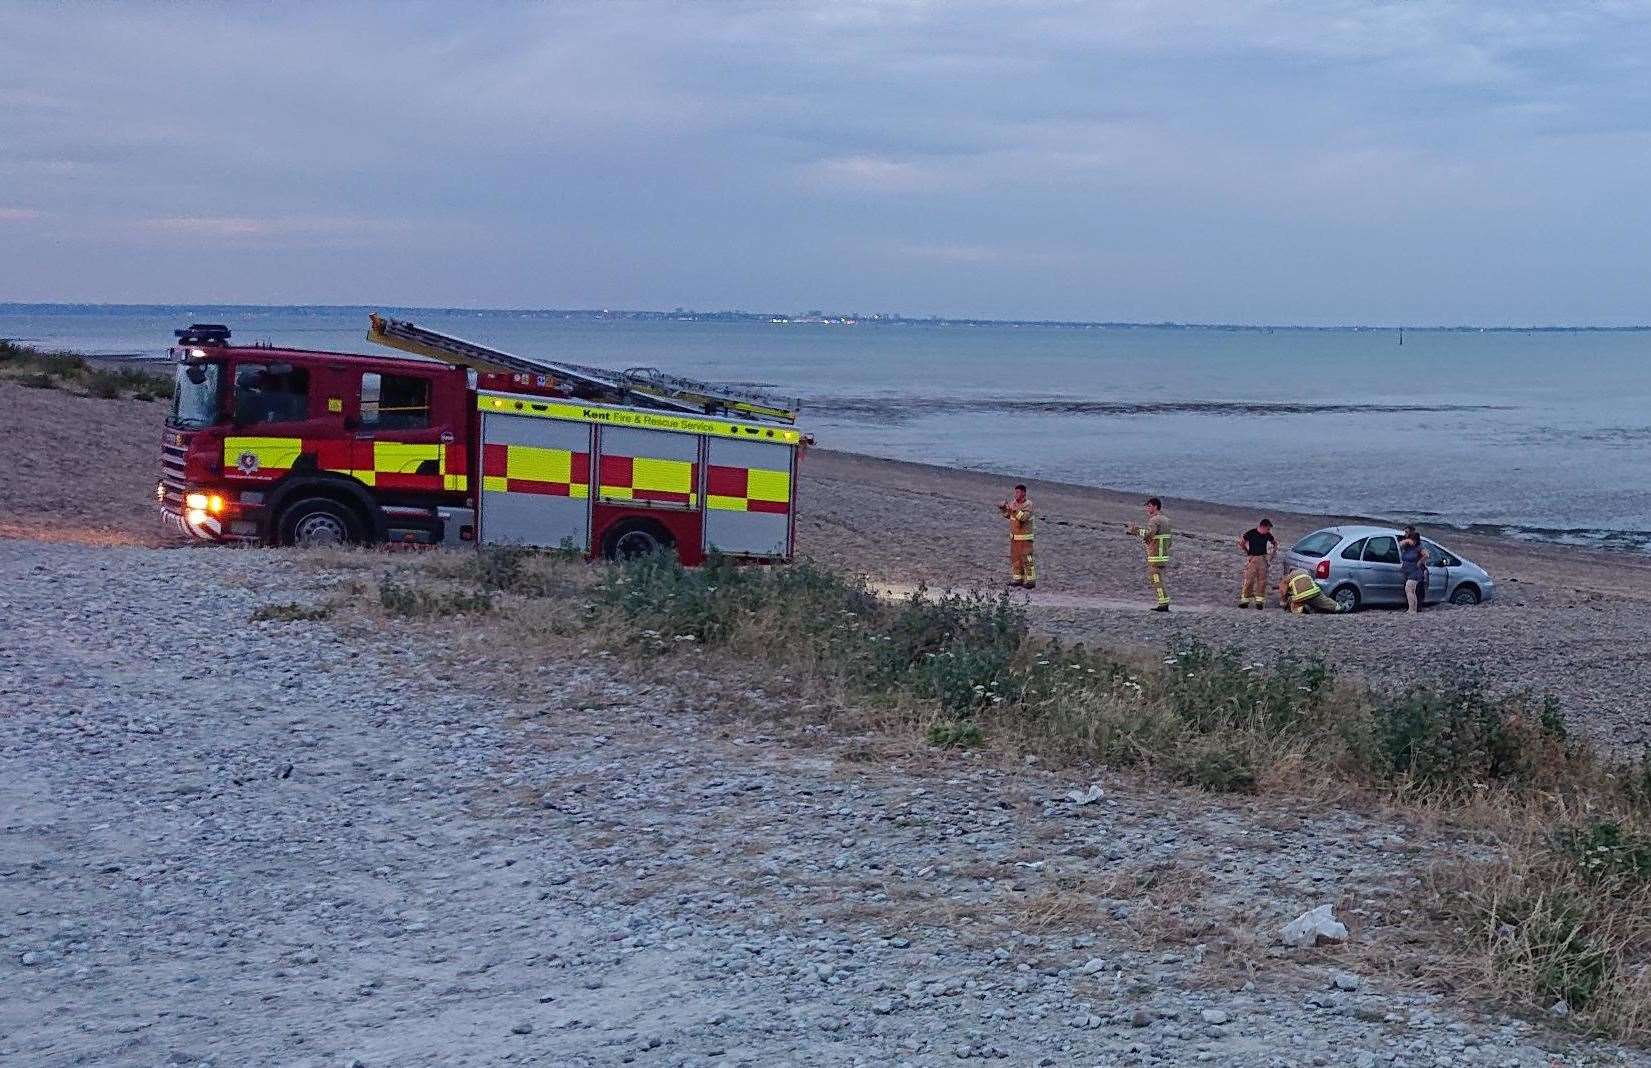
<point x="1020" y="537"/>
<point x="1162" y="555"/>
<point x="1299" y="593"/>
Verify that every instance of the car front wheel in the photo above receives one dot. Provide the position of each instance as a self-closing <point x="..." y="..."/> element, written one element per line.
<point x="1466" y="593"/>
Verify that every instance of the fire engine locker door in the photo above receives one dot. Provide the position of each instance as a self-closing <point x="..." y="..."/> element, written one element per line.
<point x="535" y="482"/>
<point x="655" y="468"/>
<point x="747" y="497"/>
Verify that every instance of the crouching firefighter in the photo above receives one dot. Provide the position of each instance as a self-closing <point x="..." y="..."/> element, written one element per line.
<point x="1023" y="569"/>
<point x="1298" y="592"/>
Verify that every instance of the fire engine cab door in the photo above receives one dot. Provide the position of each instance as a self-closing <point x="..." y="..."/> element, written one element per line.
<point x="748" y="487"/>
<point x="402" y="440"/>
<point x="535" y="482"/>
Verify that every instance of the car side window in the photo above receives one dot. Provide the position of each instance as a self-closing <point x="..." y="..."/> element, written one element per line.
<point x="1438" y="557"/>
<point x="395" y="402"/>
<point x="271" y="393"/>
<point x="1383" y="549"/>
<point x="1353" y="551"/>
<point x="1316" y="544"/>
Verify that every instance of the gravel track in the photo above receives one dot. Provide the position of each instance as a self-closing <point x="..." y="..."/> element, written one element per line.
<point x="227" y="843"/>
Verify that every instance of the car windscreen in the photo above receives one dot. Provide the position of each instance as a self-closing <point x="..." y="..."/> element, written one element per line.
<point x="1316" y="544"/>
<point x="195" y="395"/>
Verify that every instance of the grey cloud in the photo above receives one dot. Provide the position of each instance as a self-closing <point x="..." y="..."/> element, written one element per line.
<point x="1296" y="161"/>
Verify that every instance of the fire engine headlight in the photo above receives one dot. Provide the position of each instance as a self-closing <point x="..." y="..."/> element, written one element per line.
<point x="207" y="503"/>
<point x="195" y="515"/>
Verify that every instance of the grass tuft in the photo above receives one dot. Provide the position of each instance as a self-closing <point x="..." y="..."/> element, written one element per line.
<point x="39" y="369"/>
<point x="292" y="613"/>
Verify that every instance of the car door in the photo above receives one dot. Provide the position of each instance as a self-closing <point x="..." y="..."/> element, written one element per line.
<point x="1347" y="565"/>
<point x="1439" y="563"/>
<point x="1381" y="581"/>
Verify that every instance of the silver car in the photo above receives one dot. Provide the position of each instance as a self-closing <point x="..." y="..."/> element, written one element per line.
<point x="1359" y="565"/>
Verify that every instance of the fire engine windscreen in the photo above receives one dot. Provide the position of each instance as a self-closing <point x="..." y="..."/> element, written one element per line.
<point x="195" y="395"/>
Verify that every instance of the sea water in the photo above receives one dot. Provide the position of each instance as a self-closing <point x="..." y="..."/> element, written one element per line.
<point x="1542" y="434"/>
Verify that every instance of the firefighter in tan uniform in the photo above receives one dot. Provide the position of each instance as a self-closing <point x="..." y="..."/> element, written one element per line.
<point x="1298" y="592"/>
<point x="1155" y="536"/>
<point x="1023" y="569"/>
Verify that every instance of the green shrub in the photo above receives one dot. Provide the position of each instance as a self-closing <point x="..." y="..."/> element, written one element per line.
<point x="1214" y="690"/>
<point x="400" y="599"/>
<point x="955" y="734"/>
<point x="1459" y="737"/>
<point x="104" y="385"/>
<point x="1606" y="854"/>
<point x="38" y="381"/>
<point x="1219" y="768"/>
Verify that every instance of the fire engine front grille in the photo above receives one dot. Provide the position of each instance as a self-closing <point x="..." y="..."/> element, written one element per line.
<point x="172" y="471"/>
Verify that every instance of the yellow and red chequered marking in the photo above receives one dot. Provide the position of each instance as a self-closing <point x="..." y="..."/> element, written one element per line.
<point x="531" y="469"/>
<point x="261" y="457"/>
<point x="645" y="478"/>
<point x="748" y="489"/>
<point x="396" y="464"/>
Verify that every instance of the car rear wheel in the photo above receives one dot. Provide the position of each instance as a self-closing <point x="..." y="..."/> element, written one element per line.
<point x="1466" y="593"/>
<point x="1347" y="597"/>
<point x="319" y="521"/>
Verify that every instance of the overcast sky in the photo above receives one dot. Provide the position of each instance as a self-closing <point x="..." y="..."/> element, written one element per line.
<point x="1321" y="162"/>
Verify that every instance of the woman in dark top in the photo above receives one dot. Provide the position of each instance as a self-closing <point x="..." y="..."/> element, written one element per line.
<point x="1413" y="565"/>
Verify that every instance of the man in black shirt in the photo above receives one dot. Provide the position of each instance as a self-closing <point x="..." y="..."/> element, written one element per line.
<point x="1259" y="547"/>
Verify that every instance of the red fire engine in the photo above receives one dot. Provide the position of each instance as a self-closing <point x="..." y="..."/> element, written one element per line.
<point x="457" y="442"/>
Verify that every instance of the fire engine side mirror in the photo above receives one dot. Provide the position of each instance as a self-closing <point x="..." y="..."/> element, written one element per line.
<point x="196" y="374"/>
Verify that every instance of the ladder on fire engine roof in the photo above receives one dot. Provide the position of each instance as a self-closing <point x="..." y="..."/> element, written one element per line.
<point x="637" y="385"/>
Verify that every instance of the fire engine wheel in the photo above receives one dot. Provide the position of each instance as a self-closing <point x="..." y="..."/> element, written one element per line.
<point x="636" y="538"/>
<point x="319" y="521"/>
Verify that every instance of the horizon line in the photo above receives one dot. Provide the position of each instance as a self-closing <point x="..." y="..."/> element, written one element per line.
<point x="811" y="316"/>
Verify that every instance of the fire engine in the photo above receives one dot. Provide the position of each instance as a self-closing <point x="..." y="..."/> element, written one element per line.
<point x="451" y="442"/>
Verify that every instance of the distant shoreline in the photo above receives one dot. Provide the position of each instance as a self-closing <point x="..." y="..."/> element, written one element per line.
<point x="813" y="318"/>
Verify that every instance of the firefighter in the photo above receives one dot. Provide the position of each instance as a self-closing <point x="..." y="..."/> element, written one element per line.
<point x="1023" y="569"/>
<point x="1259" y="547"/>
<point x="1298" y="592"/>
<point x="1154" y="536"/>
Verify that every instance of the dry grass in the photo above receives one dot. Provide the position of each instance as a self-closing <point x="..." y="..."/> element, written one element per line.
<point x="1451" y="763"/>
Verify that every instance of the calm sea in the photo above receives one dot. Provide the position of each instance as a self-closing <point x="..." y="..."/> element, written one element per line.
<point x="1543" y="434"/>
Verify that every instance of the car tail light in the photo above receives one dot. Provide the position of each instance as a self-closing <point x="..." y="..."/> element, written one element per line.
<point x="1322" y="570"/>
